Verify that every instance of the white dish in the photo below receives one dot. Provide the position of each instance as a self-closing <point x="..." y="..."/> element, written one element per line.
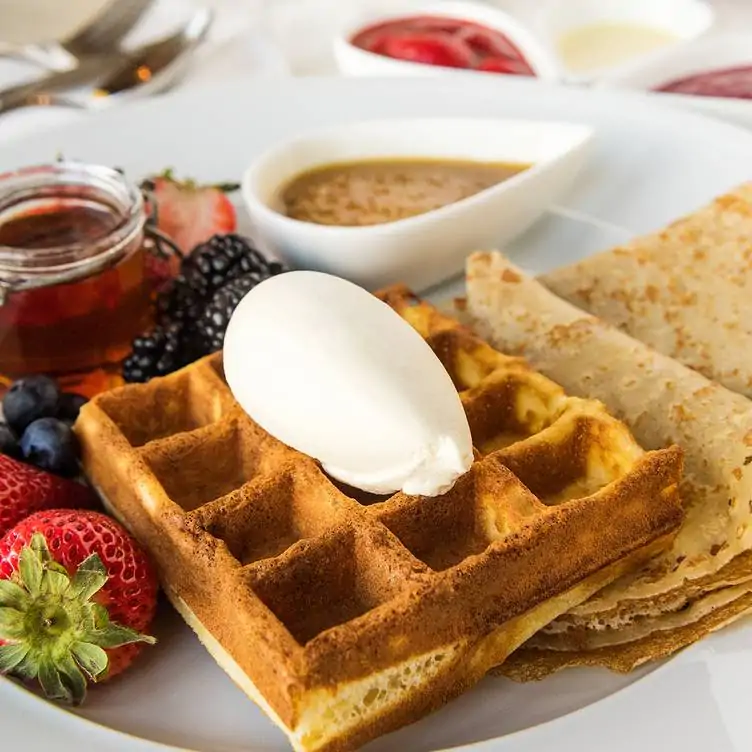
<point x="354" y="61"/>
<point x="428" y="248"/>
<point x="711" y="53"/>
<point x="685" y="20"/>
<point x="645" y="170"/>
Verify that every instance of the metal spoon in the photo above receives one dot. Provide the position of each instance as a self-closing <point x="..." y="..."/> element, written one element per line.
<point x="104" y="32"/>
<point x="113" y="78"/>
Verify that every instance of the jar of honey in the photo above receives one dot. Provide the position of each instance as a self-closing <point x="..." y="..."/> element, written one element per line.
<point x="73" y="288"/>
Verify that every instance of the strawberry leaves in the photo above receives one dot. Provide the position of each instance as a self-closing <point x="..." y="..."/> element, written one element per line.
<point x="11" y="656"/>
<point x="51" y="629"/>
<point x="90" y="578"/>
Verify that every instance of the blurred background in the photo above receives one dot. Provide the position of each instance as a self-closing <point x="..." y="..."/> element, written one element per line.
<point x="246" y="38"/>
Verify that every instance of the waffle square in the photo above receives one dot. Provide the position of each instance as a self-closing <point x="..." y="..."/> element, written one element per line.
<point x="346" y="615"/>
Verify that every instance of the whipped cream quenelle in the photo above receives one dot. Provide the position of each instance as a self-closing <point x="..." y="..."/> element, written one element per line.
<point x="335" y="373"/>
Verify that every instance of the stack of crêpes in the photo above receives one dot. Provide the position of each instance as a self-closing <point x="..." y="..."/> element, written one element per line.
<point x="670" y="353"/>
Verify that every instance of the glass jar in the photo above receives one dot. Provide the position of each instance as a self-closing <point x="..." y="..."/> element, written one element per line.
<point x="73" y="287"/>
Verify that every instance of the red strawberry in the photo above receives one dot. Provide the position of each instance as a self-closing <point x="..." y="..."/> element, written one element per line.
<point x="503" y="65"/>
<point x="25" y="489"/>
<point x="76" y="592"/>
<point x="430" y="49"/>
<point x="189" y="213"/>
<point x="160" y="270"/>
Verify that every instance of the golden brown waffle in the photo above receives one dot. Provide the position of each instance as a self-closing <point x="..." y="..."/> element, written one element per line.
<point x="345" y="616"/>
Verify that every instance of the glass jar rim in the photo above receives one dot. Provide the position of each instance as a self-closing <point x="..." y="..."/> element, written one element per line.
<point x="71" y="260"/>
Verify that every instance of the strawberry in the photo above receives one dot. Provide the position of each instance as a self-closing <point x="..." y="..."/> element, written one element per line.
<point x="25" y="489"/>
<point x="190" y="214"/>
<point x="160" y="270"/>
<point x="76" y="593"/>
<point x="430" y="49"/>
<point x="503" y="65"/>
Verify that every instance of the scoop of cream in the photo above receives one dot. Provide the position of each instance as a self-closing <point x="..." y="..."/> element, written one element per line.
<point x="333" y="372"/>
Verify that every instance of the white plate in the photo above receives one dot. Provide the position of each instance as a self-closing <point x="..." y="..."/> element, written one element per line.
<point x="649" y="164"/>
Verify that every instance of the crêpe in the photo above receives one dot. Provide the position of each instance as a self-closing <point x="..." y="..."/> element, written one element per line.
<point x="684" y="290"/>
<point x="663" y="402"/>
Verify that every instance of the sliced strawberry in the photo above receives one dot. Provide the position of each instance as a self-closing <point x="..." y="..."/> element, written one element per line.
<point x="374" y="38"/>
<point x="489" y="42"/>
<point x="161" y="269"/>
<point x="429" y="49"/>
<point x="25" y="489"/>
<point x="435" y="24"/>
<point x="76" y="593"/>
<point x="502" y="65"/>
<point x="190" y="214"/>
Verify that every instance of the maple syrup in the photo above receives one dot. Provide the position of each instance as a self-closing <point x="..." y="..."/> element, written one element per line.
<point x="73" y="287"/>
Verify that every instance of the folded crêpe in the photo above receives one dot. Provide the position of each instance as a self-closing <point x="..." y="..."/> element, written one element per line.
<point x="704" y="580"/>
<point x="685" y="290"/>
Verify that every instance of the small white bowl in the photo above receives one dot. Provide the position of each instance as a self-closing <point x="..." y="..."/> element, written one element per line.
<point x="714" y="52"/>
<point x="685" y="19"/>
<point x="429" y="248"/>
<point x="711" y="53"/>
<point x="354" y="61"/>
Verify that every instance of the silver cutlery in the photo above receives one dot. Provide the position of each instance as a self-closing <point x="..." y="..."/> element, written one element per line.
<point x="114" y="77"/>
<point x="105" y="32"/>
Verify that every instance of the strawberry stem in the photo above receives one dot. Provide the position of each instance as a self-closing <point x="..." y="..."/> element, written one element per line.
<point x="188" y="184"/>
<point x="50" y="628"/>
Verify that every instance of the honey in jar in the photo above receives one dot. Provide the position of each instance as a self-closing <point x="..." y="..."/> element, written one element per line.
<point x="73" y="289"/>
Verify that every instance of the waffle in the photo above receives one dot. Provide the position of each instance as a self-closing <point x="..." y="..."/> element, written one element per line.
<point x="343" y="615"/>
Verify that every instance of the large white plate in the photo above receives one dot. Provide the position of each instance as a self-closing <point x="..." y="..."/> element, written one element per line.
<point x="649" y="164"/>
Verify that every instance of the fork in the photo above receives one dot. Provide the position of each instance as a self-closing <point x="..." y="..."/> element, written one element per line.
<point x="104" y="32"/>
<point x="112" y="78"/>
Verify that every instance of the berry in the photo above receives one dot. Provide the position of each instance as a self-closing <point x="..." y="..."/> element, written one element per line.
<point x="28" y="399"/>
<point x="77" y="594"/>
<point x="193" y="311"/>
<point x="163" y="351"/>
<point x="179" y="302"/>
<point x="210" y="266"/>
<point x="429" y="48"/>
<point x="51" y="445"/>
<point x="8" y="442"/>
<point x="189" y="214"/>
<point x="216" y="316"/>
<point x="502" y="65"/>
<point x="25" y="489"/>
<point x="69" y="405"/>
<point x="159" y="270"/>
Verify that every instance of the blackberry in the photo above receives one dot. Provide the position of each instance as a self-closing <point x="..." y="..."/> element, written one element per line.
<point x="180" y="302"/>
<point x="162" y="351"/>
<point x="212" y="325"/>
<point x="209" y="267"/>
<point x="221" y="259"/>
<point x="192" y="313"/>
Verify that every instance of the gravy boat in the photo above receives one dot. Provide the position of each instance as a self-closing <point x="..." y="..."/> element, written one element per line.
<point x="429" y="248"/>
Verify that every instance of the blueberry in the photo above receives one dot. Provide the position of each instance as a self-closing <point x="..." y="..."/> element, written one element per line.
<point x="69" y="405"/>
<point x="8" y="442"/>
<point x="28" y="399"/>
<point x="51" y="445"/>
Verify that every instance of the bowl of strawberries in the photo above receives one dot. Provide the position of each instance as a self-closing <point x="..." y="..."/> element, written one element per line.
<point x="454" y="37"/>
